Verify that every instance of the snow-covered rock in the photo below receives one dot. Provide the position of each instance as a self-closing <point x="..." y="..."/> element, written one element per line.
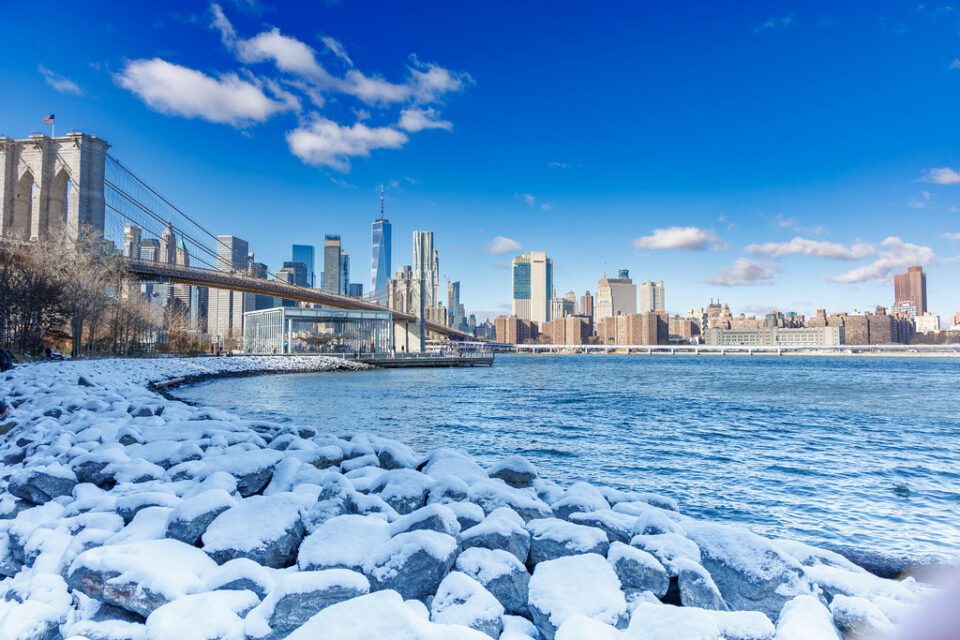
<point x="202" y="616"/>
<point x="191" y="517"/>
<point x="668" y="548"/>
<point x="552" y="538"/>
<point x="657" y="621"/>
<point x="39" y="485"/>
<point x="500" y="573"/>
<point x="858" y="617"/>
<point x="462" y="600"/>
<point x="516" y="471"/>
<point x="806" y="618"/>
<point x="638" y="570"/>
<point x="575" y="585"/>
<point x="696" y="586"/>
<point x="299" y="596"/>
<point x="140" y="576"/>
<point x="619" y="527"/>
<point x="267" y="529"/>
<point x="342" y="541"/>
<point x="412" y="563"/>
<point x="240" y="574"/>
<point x="502" y="529"/>
<point x="404" y="489"/>
<point x="580" y="497"/>
<point x="492" y="494"/>
<point x="433" y="517"/>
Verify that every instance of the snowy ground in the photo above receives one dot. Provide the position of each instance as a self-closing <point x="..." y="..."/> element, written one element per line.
<point x="126" y="515"/>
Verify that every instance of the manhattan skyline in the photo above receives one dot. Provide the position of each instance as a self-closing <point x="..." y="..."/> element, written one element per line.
<point x="758" y="155"/>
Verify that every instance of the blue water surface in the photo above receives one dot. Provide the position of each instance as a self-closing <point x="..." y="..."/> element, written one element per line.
<point x="854" y="452"/>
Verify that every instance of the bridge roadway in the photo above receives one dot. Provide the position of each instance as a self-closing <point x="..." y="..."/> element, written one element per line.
<point x="237" y="282"/>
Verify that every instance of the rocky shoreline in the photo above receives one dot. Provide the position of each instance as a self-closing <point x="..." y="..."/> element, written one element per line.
<point x="126" y="514"/>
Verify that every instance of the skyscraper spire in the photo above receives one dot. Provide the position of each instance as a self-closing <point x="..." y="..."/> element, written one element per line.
<point x="381" y="201"/>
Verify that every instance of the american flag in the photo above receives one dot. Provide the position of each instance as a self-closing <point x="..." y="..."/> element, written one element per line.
<point x="50" y="119"/>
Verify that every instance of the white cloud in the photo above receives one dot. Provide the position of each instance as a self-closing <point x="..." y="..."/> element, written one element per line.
<point x="942" y="175"/>
<point x="173" y="89"/>
<point x="415" y="119"/>
<point x="895" y="255"/>
<point x="687" y="238"/>
<point x="59" y="83"/>
<point x="502" y="244"/>
<point x="955" y="64"/>
<point x="808" y="247"/>
<point x="773" y="24"/>
<point x="558" y="165"/>
<point x="529" y="199"/>
<point x="336" y="48"/>
<point x="782" y="222"/>
<point x="953" y="237"/>
<point x="546" y="206"/>
<point x="324" y="142"/>
<point x="429" y="82"/>
<point x="743" y="272"/>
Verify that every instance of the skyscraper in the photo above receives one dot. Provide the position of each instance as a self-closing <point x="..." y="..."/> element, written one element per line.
<point x="532" y="286"/>
<point x="132" y="235"/>
<point x="168" y="246"/>
<point x="300" y="271"/>
<point x="381" y="249"/>
<point x="426" y="267"/>
<point x="652" y="297"/>
<point x="911" y="288"/>
<point x="616" y="296"/>
<point x="453" y="299"/>
<point x="344" y="272"/>
<point x="331" y="264"/>
<point x="304" y="253"/>
<point x="225" y="307"/>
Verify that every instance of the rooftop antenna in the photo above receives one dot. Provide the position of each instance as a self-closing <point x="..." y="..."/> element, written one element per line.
<point x="381" y="201"/>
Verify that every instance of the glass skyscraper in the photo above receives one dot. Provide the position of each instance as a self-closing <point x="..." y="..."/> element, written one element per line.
<point x="381" y="245"/>
<point x="305" y="253"/>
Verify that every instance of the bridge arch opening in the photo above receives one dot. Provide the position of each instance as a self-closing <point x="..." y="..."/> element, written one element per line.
<point x="20" y="223"/>
<point x="59" y="204"/>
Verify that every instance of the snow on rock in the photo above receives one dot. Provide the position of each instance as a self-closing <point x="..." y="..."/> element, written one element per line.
<point x="649" y="520"/>
<point x="751" y="573"/>
<point x="638" y="570"/>
<point x="342" y="541"/>
<point x="654" y="621"/>
<point x="517" y="628"/>
<point x="299" y="596"/>
<point x="806" y="618"/>
<point x="191" y="517"/>
<point x="618" y="526"/>
<point x="616" y="496"/>
<point x="433" y="517"/>
<point x="241" y="574"/>
<point x="450" y="462"/>
<point x="502" y="529"/>
<point x="139" y="576"/>
<point x="858" y="617"/>
<point x="467" y="513"/>
<point x="492" y="494"/>
<point x="578" y="498"/>
<point x="500" y="573"/>
<point x="39" y="485"/>
<point x="572" y="585"/>
<point x="516" y="471"/>
<point x="378" y="616"/>
<point x="403" y="489"/>
<point x="266" y="529"/>
<point x="696" y="586"/>
<point x="462" y="600"/>
<point x="202" y="616"/>
<point x="106" y="630"/>
<point x="252" y="469"/>
<point x="552" y="538"/>
<point x="411" y="563"/>
<point x="668" y="548"/>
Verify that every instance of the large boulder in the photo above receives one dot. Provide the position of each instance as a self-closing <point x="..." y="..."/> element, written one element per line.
<point x="581" y="497"/>
<point x="655" y="620"/>
<point x="552" y="538"/>
<point x="462" y="600"/>
<point x="668" y="548"/>
<point x="39" y="485"/>
<point x="575" y="585"/>
<point x="412" y="563"/>
<point x="191" y="517"/>
<point x="516" y="471"/>
<point x="806" y="618"/>
<point x="240" y="574"/>
<point x="379" y="615"/>
<point x="253" y="469"/>
<point x="266" y="529"/>
<point x="433" y="517"/>
<point x="492" y="494"/>
<point x="139" y="576"/>
<point x="619" y="527"/>
<point x="859" y="618"/>
<point x="202" y="616"/>
<point x="299" y="596"/>
<point x="637" y="570"/>
<point x="697" y="588"/>
<point x="342" y="542"/>
<point x="502" y="529"/>
<point x="751" y="573"/>
<point x="403" y="489"/>
<point x="500" y="573"/>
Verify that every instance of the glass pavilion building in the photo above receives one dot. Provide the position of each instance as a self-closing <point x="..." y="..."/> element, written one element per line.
<point x="317" y="330"/>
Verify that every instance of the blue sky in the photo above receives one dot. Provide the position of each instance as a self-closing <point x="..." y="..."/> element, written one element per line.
<point x="772" y="155"/>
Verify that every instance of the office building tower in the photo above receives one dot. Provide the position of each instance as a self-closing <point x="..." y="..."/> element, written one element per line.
<point x="532" y="286"/>
<point x="182" y="292"/>
<point x="149" y="249"/>
<point x="910" y="290"/>
<point x="616" y="296"/>
<point x="300" y="271"/>
<point x="132" y="236"/>
<point x="304" y="254"/>
<point x="381" y="249"/>
<point x="652" y="297"/>
<point x="168" y="246"/>
<point x="586" y="305"/>
<point x="453" y="300"/>
<point x="571" y="297"/>
<point x="344" y="272"/>
<point x="355" y="289"/>
<point x="330" y="278"/>
<point x="426" y="267"/>
<point x="226" y="307"/>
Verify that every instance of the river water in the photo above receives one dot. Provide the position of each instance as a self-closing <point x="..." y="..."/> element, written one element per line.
<point x="854" y="452"/>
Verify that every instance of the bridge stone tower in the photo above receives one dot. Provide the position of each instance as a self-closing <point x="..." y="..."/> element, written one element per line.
<point x="48" y="184"/>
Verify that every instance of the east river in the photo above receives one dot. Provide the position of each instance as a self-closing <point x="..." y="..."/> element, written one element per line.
<point x="861" y="453"/>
